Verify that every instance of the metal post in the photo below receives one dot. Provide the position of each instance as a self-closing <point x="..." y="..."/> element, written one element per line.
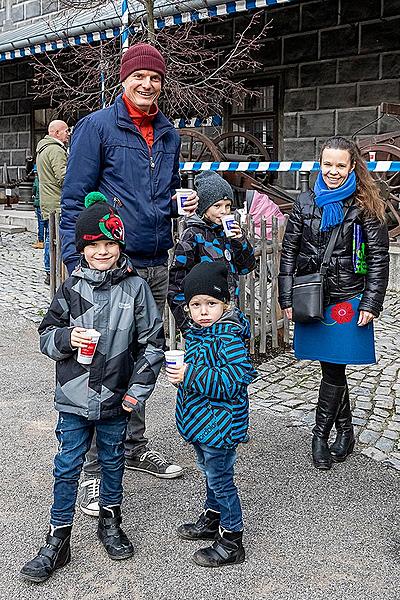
<point x="304" y="181"/>
<point x="52" y="249"/>
<point x="125" y="26"/>
<point x="190" y="180"/>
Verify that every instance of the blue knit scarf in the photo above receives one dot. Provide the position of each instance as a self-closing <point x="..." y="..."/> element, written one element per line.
<point x="331" y="200"/>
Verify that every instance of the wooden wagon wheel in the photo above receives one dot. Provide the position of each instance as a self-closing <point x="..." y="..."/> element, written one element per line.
<point x="197" y="147"/>
<point x="239" y="145"/>
<point x="388" y="182"/>
<point x="242" y="146"/>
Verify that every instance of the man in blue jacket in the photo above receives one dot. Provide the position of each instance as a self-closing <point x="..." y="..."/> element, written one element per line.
<point x="130" y="153"/>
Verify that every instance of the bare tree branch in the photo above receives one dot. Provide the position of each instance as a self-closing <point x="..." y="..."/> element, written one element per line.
<point x="200" y="79"/>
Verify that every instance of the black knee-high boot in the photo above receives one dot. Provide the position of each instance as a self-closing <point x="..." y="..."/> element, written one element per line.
<point x="329" y="401"/>
<point x="344" y="443"/>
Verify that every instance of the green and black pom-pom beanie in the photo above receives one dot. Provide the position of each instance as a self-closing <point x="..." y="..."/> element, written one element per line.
<point x="98" y="221"/>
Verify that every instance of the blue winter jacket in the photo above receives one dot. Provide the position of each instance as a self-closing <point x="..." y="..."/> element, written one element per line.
<point x="212" y="405"/>
<point x="108" y="154"/>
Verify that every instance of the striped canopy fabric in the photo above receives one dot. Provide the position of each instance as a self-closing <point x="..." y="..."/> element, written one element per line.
<point x="105" y="24"/>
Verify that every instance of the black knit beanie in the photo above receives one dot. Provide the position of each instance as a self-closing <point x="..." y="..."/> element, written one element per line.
<point x="211" y="187"/>
<point x="98" y="221"/>
<point x="207" y="279"/>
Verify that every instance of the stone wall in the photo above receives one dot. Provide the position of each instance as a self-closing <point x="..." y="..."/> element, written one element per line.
<point x="16" y="13"/>
<point x="15" y="116"/>
<point x="340" y="59"/>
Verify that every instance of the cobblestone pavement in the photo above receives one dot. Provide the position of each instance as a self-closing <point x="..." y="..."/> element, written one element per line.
<point x="285" y="386"/>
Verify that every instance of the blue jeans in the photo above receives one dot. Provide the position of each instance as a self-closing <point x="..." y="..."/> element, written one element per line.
<point x="40" y="224"/>
<point x="46" y="251"/>
<point x="222" y="496"/>
<point x="74" y="434"/>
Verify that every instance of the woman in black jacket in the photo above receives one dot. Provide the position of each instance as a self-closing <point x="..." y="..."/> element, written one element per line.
<point x="344" y="196"/>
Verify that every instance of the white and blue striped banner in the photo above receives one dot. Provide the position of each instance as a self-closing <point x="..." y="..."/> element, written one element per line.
<point x="379" y="166"/>
<point x="220" y="10"/>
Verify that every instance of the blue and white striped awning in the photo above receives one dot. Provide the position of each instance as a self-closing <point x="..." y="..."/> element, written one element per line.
<point x="379" y="166"/>
<point x="219" y="10"/>
<point x="75" y="30"/>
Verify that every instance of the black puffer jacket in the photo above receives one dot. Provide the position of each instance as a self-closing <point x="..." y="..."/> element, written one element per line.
<point x="304" y="246"/>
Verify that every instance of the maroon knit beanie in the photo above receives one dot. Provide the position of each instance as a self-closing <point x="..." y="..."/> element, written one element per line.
<point x="141" y="56"/>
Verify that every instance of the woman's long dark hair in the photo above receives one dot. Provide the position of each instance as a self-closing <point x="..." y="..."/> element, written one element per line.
<point x="367" y="193"/>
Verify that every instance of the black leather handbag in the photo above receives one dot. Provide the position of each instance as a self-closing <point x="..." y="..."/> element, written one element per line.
<point x="308" y="290"/>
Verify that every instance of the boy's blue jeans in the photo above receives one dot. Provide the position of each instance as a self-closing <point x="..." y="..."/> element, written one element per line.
<point x="40" y="223"/>
<point x="46" y="251"/>
<point x="222" y="496"/>
<point x="74" y="434"/>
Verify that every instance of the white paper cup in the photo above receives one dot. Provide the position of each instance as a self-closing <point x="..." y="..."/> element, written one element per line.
<point x="181" y="197"/>
<point x="227" y="223"/>
<point x="174" y="358"/>
<point x="85" y="355"/>
<point x="372" y="156"/>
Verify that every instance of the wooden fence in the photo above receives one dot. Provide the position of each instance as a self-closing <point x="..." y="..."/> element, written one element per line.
<point x="258" y="291"/>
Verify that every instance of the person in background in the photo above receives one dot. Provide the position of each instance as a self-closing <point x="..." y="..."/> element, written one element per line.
<point x="51" y="163"/>
<point x="42" y="225"/>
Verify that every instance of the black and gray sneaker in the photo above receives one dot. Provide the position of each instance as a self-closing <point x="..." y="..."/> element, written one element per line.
<point x="154" y="463"/>
<point x="89" y="503"/>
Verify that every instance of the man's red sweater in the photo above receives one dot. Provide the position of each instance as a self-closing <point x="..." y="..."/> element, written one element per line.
<point x="143" y="121"/>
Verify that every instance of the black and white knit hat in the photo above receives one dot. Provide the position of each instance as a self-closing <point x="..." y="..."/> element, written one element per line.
<point x="207" y="279"/>
<point x="98" y="221"/>
<point x="210" y="188"/>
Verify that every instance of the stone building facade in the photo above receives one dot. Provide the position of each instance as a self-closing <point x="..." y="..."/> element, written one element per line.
<point x="327" y="66"/>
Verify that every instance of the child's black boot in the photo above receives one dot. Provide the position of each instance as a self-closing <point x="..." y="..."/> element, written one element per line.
<point x="109" y="532"/>
<point x="205" y="528"/>
<point x="53" y="555"/>
<point x="226" y="550"/>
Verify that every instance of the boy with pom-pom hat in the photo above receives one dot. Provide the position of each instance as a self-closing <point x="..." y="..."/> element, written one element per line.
<point x="103" y="293"/>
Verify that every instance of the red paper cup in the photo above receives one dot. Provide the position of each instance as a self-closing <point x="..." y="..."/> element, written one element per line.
<point x="85" y="355"/>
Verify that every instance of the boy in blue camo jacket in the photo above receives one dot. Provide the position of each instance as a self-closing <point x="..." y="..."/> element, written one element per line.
<point x="212" y="408"/>
<point x="204" y="240"/>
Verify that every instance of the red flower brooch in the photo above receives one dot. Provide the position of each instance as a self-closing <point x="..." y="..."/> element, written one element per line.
<point x="342" y="312"/>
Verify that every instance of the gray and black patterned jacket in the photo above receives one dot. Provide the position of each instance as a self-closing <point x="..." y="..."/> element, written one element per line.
<point x="129" y="355"/>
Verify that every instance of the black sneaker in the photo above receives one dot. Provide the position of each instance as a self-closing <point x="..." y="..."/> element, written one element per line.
<point x="89" y="503"/>
<point x="154" y="463"/>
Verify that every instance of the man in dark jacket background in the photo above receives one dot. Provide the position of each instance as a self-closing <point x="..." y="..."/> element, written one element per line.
<point x="130" y="153"/>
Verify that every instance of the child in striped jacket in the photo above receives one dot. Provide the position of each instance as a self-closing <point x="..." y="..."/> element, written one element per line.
<point x="212" y="408"/>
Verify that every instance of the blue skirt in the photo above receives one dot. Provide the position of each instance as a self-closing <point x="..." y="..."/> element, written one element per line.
<point x="336" y="338"/>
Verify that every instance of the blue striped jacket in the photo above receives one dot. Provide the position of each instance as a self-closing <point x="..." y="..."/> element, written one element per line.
<point x="212" y="404"/>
